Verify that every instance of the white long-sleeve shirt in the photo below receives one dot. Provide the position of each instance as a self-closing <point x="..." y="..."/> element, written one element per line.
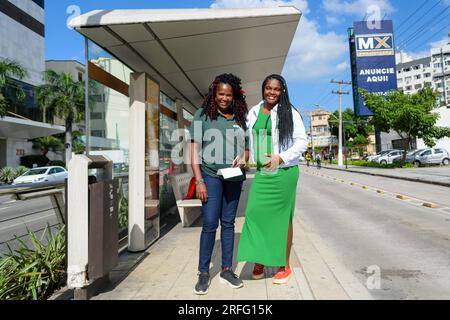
<point x="290" y="154"/>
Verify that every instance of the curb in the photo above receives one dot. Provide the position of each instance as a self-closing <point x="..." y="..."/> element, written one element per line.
<point x="443" y="184"/>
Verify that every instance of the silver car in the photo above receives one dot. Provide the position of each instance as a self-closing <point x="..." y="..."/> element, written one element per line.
<point x="430" y="156"/>
<point x="389" y="157"/>
<point x="54" y="174"/>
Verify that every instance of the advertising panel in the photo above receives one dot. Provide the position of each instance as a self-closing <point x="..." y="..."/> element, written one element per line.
<point x="372" y="54"/>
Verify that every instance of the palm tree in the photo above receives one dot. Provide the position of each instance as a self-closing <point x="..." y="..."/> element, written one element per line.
<point x="62" y="97"/>
<point x="8" y="69"/>
<point x="48" y="143"/>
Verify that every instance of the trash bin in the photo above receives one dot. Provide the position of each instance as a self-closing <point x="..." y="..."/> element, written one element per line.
<point x="92" y="224"/>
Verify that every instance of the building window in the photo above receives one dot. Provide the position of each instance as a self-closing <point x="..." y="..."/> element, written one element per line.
<point x="80" y="76"/>
<point x="418" y="86"/>
<point x="96" y="115"/>
<point x="416" y="67"/>
<point x="418" y="77"/>
<point x="408" y="88"/>
<point x="167" y="102"/>
<point x="428" y="84"/>
<point x="408" y="79"/>
<point x="437" y="65"/>
<point x="407" y="70"/>
<point x="427" y="75"/>
<point x="98" y="133"/>
<point x="320" y="118"/>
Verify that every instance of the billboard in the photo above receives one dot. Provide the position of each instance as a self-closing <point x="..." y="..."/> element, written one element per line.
<point x="372" y="53"/>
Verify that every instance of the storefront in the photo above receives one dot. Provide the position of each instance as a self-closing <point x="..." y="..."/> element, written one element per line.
<point x="149" y="70"/>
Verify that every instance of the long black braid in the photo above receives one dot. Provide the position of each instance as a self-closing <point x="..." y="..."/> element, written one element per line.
<point x="285" y="108"/>
<point x="239" y="106"/>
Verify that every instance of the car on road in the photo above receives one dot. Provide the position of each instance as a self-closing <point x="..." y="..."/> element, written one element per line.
<point x="54" y="174"/>
<point x="430" y="156"/>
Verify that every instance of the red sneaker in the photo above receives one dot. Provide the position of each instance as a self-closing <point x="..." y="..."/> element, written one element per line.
<point x="258" y="272"/>
<point x="283" y="275"/>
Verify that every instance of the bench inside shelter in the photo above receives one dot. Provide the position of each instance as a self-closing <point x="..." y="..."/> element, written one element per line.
<point x="189" y="210"/>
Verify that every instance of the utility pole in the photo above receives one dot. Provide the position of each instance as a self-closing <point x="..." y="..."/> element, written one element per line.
<point x="340" y="93"/>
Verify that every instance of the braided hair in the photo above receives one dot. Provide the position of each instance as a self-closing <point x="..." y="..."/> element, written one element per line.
<point x="285" y="121"/>
<point x="239" y="105"/>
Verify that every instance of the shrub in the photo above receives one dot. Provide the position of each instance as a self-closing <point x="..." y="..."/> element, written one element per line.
<point x="57" y="163"/>
<point x="33" y="273"/>
<point x="28" y="161"/>
<point x="20" y="171"/>
<point x="7" y="175"/>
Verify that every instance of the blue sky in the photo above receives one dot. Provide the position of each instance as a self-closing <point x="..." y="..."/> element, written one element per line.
<point x="319" y="51"/>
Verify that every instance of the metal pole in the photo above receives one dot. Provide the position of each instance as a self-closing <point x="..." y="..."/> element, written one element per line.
<point x="340" y="93"/>
<point x="340" y="129"/>
<point x="87" y="114"/>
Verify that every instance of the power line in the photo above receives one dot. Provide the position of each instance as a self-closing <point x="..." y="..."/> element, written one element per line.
<point x="434" y="34"/>
<point x="424" y="15"/>
<point x="410" y="16"/>
<point x="419" y="32"/>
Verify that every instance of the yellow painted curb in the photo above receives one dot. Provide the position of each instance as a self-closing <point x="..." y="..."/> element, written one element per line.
<point x="430" y="205"/>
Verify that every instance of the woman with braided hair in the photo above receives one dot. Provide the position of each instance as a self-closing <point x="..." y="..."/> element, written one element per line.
<point x="218" y="130"/>
<point x="277" y="141"/>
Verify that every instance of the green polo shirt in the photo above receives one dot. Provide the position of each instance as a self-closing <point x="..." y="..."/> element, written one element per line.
<point x="221" y="141"/>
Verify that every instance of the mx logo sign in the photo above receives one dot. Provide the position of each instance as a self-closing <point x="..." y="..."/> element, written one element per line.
<point x="375" y="45"/>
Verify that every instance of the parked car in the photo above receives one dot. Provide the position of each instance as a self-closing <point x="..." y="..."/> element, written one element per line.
<point x="389" y="157"/>
<point x="430" y="156"/>
<point x="42" y="174"/>
<point x="410" y="156"/>
<point x="374" y="156"/>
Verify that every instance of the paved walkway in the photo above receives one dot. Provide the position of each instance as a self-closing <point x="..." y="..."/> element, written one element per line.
<point x="167" y="270"/>
<point x="437" y="175"/>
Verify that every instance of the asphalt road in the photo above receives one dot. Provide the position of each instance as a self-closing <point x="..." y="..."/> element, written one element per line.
<point x="17" y="216"/>
<point x="376" y="236"/>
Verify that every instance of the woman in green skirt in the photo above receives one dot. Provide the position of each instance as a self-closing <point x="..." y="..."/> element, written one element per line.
<point x="277" y="140"/>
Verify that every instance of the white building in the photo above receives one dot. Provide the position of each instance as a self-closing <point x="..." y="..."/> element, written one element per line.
<point x="414" y="75"/>
<point x="22" y="34"/>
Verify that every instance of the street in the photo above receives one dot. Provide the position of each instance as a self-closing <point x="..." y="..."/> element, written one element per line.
<point x="17" y="216"/>
<point x="366" y="230"/>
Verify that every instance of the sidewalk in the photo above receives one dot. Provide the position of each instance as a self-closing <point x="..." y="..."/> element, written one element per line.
<point x="436" y="175"/>
<point x="168" y="270"/>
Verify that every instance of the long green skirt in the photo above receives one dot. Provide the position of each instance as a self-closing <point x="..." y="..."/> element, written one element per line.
<point x="270" y="209"/>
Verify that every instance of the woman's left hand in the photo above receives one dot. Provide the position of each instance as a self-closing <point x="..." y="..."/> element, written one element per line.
<point x="273" y="163"/>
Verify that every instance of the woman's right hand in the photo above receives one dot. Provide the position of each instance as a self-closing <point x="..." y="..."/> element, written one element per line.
<point x="201" y="192"/>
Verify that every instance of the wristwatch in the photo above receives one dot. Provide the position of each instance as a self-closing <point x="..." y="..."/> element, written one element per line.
<point x="197" y="182"/>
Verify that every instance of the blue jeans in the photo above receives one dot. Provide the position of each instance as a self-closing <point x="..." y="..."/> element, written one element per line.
<point x="222" y="204"/>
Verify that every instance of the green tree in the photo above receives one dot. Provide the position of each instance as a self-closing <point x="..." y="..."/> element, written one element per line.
<point x="410" y="116"/>
<point x="9" y="69"/>
<point x="62" y="97"/>
<point x="354" y="127"/>
<point x="49" y="143"/>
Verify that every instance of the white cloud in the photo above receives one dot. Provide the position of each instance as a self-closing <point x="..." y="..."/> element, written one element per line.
<point x="312" y="54"/>
<point x="332" y="21"/>
<point x="357" y="7"/>
<point x="426" y="52"/>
